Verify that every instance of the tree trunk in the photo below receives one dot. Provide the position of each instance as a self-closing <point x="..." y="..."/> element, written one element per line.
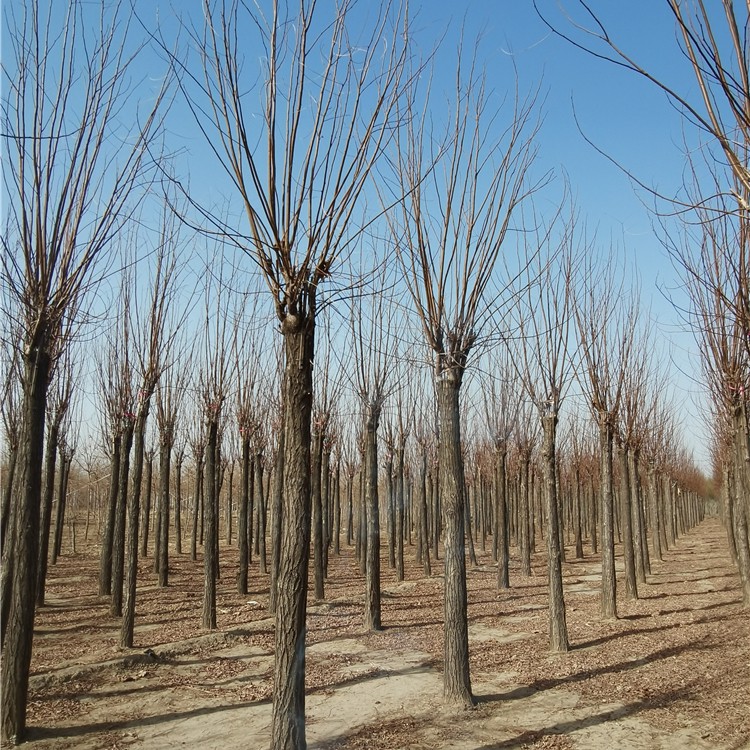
<point x="18" y="632"/>
<point x="524" y="513"/>
<point x="230" y="504"/>
<point x="134" y="503"/>
<point x="626" y="514"/>
<point x="456" y="678"/>
<point x="501" y="518"/>
<point x="197" y="501"/>
<point x="609" y="581"/>
<point x="260" y="501"/>
<point x="105" y="559"/>
<point x="288" y="716"/>
<point x="242" y="520"/>
<point x="66" y="459"/>
<point x="640" y="544"/>
<point x="178" y="504"/>
<point x="424" y="531"/>
<point x="337" y="510"/>
<point x="210" y="512"/>
<point x="277" y="510"/>
<point x="148" y="487"/>
<point x="399" y="496"/>
<point x="165" y="471"/>
<point x="118" y="546"/>
<point x="578" y="514"/>
<point x="558" y="630"/>
<point x="10" y="473"/>
<point x="317" y="503"/>
<point x="372" y="553"/>
<point x="46" y="518"/>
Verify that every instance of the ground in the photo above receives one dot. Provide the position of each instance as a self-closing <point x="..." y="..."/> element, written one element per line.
<point x="673" y="672"/>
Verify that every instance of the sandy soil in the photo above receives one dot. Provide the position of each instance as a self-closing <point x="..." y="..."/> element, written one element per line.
<point x="672" y="673"/>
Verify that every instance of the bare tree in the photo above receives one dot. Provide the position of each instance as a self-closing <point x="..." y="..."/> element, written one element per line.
<point x="58" y="405"/>
<point x="502" y="401"/>
<point x="545" y="369"/>
<point x="327" y="106"/>
<point x="76" y="165"/>
<point x="372" y="322"/>
<point x="462" y="189"/>
<point x="605" y="337"/>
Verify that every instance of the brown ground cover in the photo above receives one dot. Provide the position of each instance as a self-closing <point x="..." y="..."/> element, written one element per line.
<point x="672" y="672"/>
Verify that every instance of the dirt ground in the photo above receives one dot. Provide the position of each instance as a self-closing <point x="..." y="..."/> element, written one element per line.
<point x="673" y="672"/>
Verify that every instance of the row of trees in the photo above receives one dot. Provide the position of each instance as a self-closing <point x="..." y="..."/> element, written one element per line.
<point x="337" y="98"/>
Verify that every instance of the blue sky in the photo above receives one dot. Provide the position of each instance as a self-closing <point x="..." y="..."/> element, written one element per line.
<point x="626" y="117"/>
<point x="623" y="115"/>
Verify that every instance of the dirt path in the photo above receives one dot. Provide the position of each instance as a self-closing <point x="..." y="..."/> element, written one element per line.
<point x="672" y="673"/>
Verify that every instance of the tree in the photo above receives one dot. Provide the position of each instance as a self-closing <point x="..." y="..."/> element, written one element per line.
<point x="501" y="405"/>
<point x="372" y="322"/>
<point x="544" y="362"/>
<point x="462" y="188"/>
<point x="605" y="337"/>
<point x="76" y="169"/>
<point x="328" y="100"/>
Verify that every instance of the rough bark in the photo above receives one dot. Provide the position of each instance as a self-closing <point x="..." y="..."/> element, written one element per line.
<point x="242" y="520"/>
<point x="46" y="517"/>
<point x="66" y="459"/>
<point x="558" y="630"/>
<point x="178" y="504"/>
<point x="607" y="535"/>
<point x="165" y="473"/>
<point x="105" y="559"/>
<point x="424" y="533"/>
<point x="318" y="510"/>
<point x="210" y="513"/>
<point x="456" y="678"/>
<point x="372" y="614"/>
<point x="134" y="503"/>
<point x="400" y="510"/>
<point x="18" y="632"/>
<point x="626" y="514"/>
<point x="501" y="518"/>
<point x="260" y="502"/>
<point x="276" y="524"/>
<point x="118" y="546"/>
<point x="524" y="513"/>
<point x="288" y="714"/>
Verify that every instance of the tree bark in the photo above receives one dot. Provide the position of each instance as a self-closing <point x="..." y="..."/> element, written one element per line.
<point x="134" y="504"/>
<point x="18" y="633"/>
<point x="558" y="630"/>
<point x="165" y="471"/>
<point x="626" y="514"/>
<point x="456" y="678"/>
<point x="260" y="501"/>
<point x="501" y="518"/>
<point x="66" y="459"/>
<point x="318" y="510"/>
<point x="118" y="546"/>
<point x="105" y="559"/>
<point x="46" y="518"/>
<point x="288" y="715"/>
<point x="277" y="510"/>
<point x="372" y="578"/>
<point x="242" y="520"/>
<point x="609" y="581"/>
<point x="210" y="512"/>
<point x="399" y="493"/>
<point x="10" y="474"/>
<point x="178" y="504"/>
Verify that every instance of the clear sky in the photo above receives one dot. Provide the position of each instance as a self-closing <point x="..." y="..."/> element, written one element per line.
<point x="625" y="116"/>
